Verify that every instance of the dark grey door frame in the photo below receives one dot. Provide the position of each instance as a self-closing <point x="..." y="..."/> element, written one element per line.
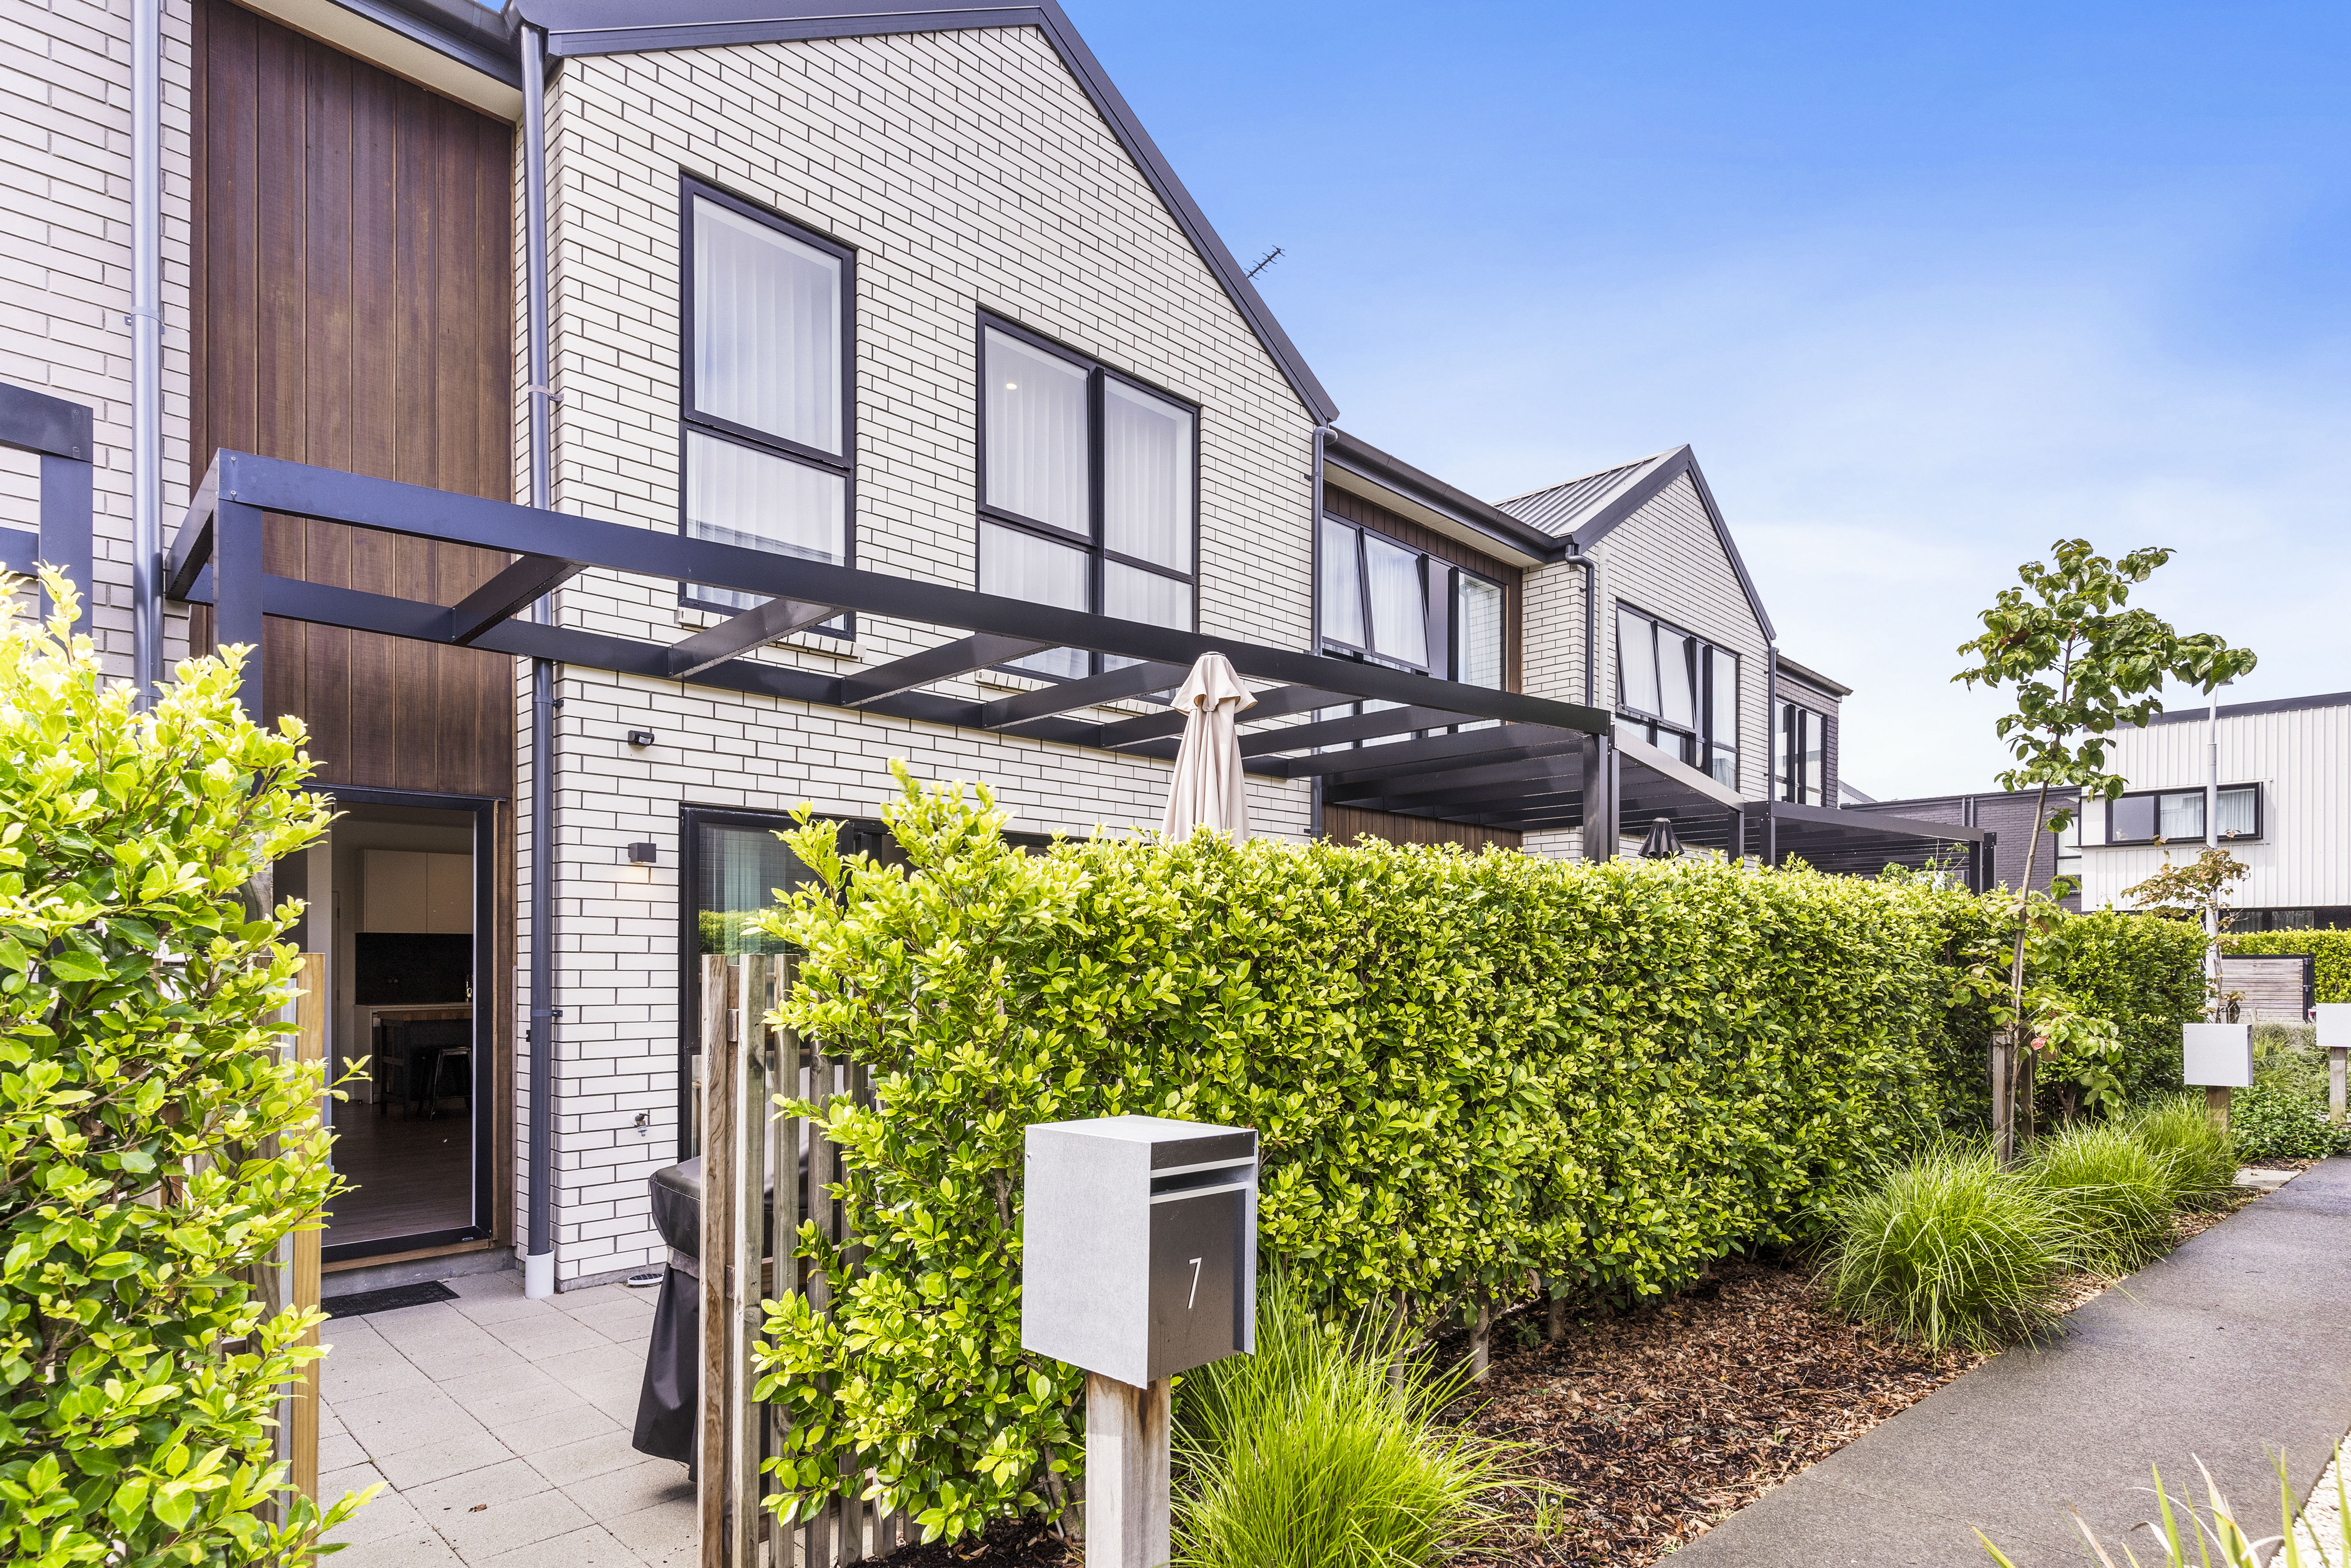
<point x="484" y="809"/>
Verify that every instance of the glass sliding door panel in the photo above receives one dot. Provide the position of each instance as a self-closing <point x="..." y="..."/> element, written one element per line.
<point x="738" y="874"/>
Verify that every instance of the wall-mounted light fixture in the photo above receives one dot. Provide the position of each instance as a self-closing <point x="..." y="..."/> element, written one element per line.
<point x="640" y="737"/>
<point x="641" y="854"/>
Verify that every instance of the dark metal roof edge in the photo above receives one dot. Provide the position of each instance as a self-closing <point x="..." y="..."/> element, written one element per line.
<point x="1843" y="817"/>
<point x="489" y="49"/>
<point x="2057" y="793"/>
<point x="1812" y="677"/>
<point x="2247" y="710"/>
<point x="1646" y="489"/>
<point x="1352" y="452"/>
<point x="873" y="18"/>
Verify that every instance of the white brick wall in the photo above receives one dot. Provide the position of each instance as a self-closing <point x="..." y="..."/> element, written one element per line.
<point x="1666" y="559"/>
<point x="65" y="259"/>
<point x="966" y="168"/>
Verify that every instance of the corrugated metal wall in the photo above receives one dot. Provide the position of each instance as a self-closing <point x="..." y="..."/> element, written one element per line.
<point x="2302" y="760"/>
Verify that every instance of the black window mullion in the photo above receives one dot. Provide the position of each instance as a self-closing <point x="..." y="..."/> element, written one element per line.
<point x="1094" y="497"/>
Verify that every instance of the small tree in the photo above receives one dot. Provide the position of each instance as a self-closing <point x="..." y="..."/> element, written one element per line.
<point x="2197" y="891"/>
<point x="141" y="1081"/>
<point x="2083" y="665"/>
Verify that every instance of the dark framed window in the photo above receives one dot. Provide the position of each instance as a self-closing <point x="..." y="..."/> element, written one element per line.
<point x="2164" y="816"/>
<point x="1378" y="601"/>
<point x="766" y="380"/>
<point x="1803" y="755"/>
<point x="730" y="867"/>
<point x="1680" y="691"/>
<point x="1089" y="491"/>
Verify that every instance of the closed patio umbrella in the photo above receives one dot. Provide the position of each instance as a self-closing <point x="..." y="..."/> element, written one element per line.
<point x="1208" y="790"/>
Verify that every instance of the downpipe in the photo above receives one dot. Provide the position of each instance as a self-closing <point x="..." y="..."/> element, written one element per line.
<point x="146" y="324"/>
<point x="538" y="1253"/>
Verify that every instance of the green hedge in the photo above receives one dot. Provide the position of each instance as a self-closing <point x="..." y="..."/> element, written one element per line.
<point x="1470" y="1074"/>
<point x="2146" y="974"/>
<point x="2331" y="973"/>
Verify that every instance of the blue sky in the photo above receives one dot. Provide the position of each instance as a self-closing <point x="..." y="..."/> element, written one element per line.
<point x="1926" y="287"/>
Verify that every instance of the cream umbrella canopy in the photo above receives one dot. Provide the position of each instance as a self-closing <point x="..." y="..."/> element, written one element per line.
<point x="1208" y="790"/>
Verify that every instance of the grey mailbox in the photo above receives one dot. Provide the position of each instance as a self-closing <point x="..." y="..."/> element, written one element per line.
<point x="1139" y="1245"/>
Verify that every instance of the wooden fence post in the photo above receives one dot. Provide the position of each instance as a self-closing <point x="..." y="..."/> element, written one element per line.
<point x="309" y="1045"/>
<point x="712" y="1474"/>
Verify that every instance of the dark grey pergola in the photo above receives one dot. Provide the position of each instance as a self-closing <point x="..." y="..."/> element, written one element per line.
<point x="59" y="431"/>
<point x="1525" y="767"/>
<point x="1438" y="749"/>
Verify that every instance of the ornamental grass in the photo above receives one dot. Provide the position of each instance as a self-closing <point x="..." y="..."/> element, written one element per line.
<point x="1950" y="1250"/>
<point x="2116" y="1189"/>
<point x="2199" y="1158"/>
<point x="1328" y="1449"/>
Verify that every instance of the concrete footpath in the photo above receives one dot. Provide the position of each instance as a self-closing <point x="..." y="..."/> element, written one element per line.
<point x="2234" y="1348"/>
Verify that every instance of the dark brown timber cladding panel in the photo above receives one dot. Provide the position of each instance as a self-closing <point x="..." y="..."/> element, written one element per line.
<point x="1345" y="824"/>
<point x="353" y="308"/>
<point x="1412" y="536"/>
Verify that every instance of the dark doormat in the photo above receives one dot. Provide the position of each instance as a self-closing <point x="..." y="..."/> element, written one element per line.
<point x="360" y="1303"/>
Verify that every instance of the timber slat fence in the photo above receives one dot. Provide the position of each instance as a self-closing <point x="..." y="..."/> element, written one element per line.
<point x="748" y="1150"/>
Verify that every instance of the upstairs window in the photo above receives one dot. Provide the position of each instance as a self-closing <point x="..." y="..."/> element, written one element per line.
<point x="1803" y="755"/>
<point x="1088" y="492"/>
<point x="1387" y="604"/>
<point x="766" y="389"/>
<point x="2165" y="816"/>
<point x="1682" y="692"/>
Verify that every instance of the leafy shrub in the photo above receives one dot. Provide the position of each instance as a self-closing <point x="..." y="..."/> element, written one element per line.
<point x="2145" y="975"/>
<point x="2286" y="1055"/>
<point x="2272" y="1121"/>
<point x="1949" y="1249"/>
<point x="140" y="1076"/>
<point x="1466" y="1072"/>
<point x="2200" y="1159"/>
<point x="2330" y="951"/>
<point x="2116" y="1191"/>
<point x="1327" y="1449"/>
<point x="1469" y="1074"/>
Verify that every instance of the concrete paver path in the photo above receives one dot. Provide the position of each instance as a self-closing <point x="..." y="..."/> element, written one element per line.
<point x="2234" y="1348"/>
<point x="500" y="1428"/>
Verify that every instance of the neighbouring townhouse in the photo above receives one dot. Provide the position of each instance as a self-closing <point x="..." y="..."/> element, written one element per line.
<point x="2284" y="775"/>
<point x="2006" y="820"/>
<point x="617" y="424"/>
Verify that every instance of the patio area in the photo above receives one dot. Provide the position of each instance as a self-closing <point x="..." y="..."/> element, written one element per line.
<point x="500" y="1428"/>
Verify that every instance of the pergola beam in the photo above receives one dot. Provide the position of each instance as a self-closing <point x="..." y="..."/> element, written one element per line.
<point x="944" y="663"/>
<point x="754" y="628"/>
<point x="1066" y="697"/>
<point x="507" y="593"/>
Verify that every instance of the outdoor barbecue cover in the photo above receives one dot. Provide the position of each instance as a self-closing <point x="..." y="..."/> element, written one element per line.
<point x="669" y="1406"/>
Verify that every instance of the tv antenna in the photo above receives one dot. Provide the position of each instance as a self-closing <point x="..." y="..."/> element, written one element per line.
<point x="1265" y="261"/>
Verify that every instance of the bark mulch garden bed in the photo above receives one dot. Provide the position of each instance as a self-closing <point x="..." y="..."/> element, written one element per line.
<point x="1646" y="1430"/>
<point x="1641" y="1432"/>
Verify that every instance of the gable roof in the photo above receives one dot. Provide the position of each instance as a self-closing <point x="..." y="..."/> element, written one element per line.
<point x="584" y="27"/>
<point x="1586" y="511"/>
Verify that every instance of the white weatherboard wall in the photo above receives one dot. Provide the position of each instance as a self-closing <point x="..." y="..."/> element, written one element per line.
<point x="64" y="227"/>
<point x="966" y="168"/>
<point x="2301" y="758"/>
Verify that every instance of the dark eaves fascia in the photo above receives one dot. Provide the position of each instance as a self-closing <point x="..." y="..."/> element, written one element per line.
<point x="1354" y="453"/>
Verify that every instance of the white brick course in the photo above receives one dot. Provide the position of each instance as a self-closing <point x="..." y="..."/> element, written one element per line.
<point x="967" y="170"/>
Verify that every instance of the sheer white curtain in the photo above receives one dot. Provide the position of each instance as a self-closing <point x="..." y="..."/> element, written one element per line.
<point x="1675" y="669"/>
<point x="1342" y="590"/>
<point x="1019" y="565"/>
<point x="1637" y="662"/>
<point x="767" y="329"/>
<point x="1477" y="629"/>
<point x="1036" y="407"/>
<point x="2236" y="814"/>
<point x="1146" y="477"/>
<point x="1724" y="732"/>
<point x="2180" y="816"/>
<point x="1399" y="613"/>
<point x="735" y="495"/>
